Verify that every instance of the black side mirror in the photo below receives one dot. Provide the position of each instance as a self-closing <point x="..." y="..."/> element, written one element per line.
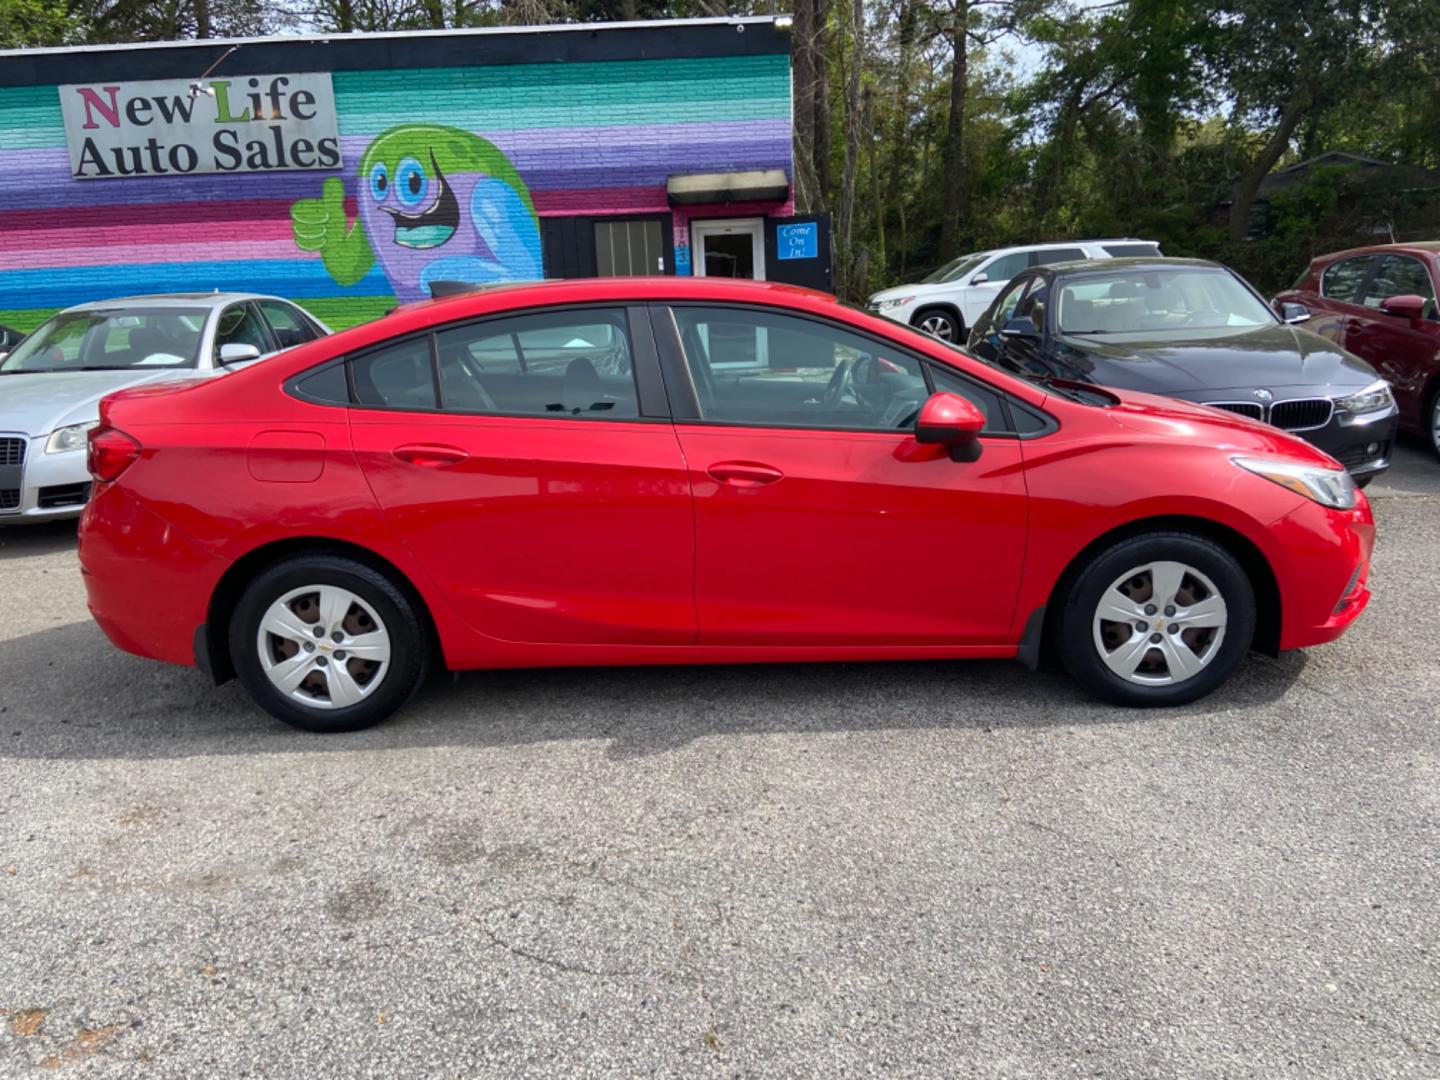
<point x="1294" y="313"/>
<point x="1023" y="327"/>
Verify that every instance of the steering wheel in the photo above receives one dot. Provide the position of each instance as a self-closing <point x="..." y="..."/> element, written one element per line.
<point x="1220" y="316"/>
<point x="842" y="382"/>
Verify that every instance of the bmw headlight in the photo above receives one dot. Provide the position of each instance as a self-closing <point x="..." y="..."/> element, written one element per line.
<point x="1328" y="487"/>
<point x="891" y="302"/>
<point x="1373" y="398"/>
<point x="70" y="437"/>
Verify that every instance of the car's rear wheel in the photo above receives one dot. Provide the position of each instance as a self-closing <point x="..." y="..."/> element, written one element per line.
<point x="1157" y="619"/>
<point x="940" y="323"/>
<point x="1433" y="425"/>
<point x="327" y="643"/>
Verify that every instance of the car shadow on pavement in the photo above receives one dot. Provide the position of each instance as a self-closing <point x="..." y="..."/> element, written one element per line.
<point x="27" y="541"/>
<point x="67" y="693"/>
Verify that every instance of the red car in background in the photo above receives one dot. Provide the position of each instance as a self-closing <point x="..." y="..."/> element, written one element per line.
<point x="1379" y="303"/>
<point x="672" y="470"/>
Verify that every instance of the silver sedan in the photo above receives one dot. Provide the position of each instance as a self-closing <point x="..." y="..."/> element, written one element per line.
<point x="52" y="382"/>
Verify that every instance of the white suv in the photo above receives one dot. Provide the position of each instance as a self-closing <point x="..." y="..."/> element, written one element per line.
<point x="947" y="303"/>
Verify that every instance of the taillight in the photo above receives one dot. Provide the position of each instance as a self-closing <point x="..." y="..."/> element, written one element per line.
<point x="111" y="452"/>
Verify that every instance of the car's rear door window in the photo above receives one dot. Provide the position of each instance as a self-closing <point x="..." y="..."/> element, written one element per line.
<point x="398" y="376"/>
<point x="1121" y="251"/>
<point x="576" y="363"/>
<point x="1342" y="280"/>
<point x="1050" y="256"/>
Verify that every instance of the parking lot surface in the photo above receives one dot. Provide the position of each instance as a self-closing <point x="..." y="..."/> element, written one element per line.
<point x="906" y="869"/>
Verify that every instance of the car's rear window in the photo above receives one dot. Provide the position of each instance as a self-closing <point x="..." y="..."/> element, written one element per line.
<point x="1121" y="251"/>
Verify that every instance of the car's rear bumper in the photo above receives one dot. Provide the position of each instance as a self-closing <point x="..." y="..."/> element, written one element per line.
<point x="1324" y="572"/>
<point x="147" y="584"/>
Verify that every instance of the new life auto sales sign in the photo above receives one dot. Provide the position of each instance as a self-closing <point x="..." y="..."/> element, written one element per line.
<point x="256" y="123"/>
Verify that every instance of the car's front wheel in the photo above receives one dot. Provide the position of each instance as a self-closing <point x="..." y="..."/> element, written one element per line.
<point x="940" y="323"/>
<point x="1157" y="619"/>
<point x="327" y="644"/>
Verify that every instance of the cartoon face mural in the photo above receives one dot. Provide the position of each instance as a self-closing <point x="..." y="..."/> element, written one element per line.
<point x="436" y="204"/>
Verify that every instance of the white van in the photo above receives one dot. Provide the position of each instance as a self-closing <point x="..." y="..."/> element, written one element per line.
<point x="947" y="302"/>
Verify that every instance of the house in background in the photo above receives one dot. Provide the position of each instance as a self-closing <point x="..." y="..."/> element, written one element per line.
<point x="1375" y="201"/>
<point x="351" y="172"/>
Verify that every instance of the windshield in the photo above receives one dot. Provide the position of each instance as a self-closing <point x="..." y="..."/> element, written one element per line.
<point x="112" y="339"/>
<point x="955" y="268"/>
<point x="1157" y="301"/>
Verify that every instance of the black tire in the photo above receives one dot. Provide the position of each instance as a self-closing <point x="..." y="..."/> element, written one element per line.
<point x="946" y="324"/>
<point x="409" y="641"/>
<point x="1075" y="637"/>
<point x="1432" y="422"/>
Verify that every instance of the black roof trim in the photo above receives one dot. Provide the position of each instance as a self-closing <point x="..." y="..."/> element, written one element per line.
<point x="570" y="43"/>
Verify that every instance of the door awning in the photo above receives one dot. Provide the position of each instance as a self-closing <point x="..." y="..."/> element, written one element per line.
<point x="755" y="185"/>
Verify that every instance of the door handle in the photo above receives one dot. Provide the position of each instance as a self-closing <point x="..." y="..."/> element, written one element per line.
<point x="744" y="474"/>
<point x="430" y="456"/>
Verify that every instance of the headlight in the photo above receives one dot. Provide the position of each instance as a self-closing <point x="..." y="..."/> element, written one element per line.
<point x="1328" y="487"/>
<point x="70" y="437"/>
<point x="1374" y="397"/>
<point x="891" y="302"/>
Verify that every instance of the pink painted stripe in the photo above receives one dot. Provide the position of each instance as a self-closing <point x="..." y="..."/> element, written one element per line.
<point x="14" y="257"/>
<point x="176" y="231"/>
<point x="605" y="200"/>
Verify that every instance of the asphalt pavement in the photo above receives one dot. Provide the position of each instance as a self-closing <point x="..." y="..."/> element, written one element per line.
<point x="946" y="869"/>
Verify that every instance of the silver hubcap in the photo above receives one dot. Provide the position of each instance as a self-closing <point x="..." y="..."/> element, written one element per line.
<point x="936" y="325"/>
<point x="1160" y="624"/>
<point x="324" y="647"/>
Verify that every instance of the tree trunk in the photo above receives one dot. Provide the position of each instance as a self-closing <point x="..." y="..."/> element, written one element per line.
<point x="202" y="18"/>
<point x="877" y="200"/>
<point x="853" y="129"/>
<point x="899" y="121"/>
<point x="808" y="77"/>
<point x="1249" y="186"/>
<point x="952" y="193"/>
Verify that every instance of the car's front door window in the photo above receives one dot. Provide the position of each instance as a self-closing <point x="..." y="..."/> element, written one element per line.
<point x="1400" y="275"/>
<point x="1006" y="267"/>
<point x="240" y="324"/>
<point x="1342" y="280"/>
<point x="290" y="327"/>
<point x="764" y="368"/>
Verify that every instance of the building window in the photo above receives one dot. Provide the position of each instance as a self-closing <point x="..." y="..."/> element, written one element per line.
<point x="629" y="247"/>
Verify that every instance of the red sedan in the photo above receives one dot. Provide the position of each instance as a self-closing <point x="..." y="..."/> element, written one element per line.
<point x="1379" y="303"/>
<point x="677" y="471"/>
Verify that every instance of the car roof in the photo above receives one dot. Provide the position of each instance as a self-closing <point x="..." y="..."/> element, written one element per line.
<point x="1131" y="262"/>
<point x="176" y="300"/>
<point x="1058" y="243"/>
<point x="1416" y="247"/>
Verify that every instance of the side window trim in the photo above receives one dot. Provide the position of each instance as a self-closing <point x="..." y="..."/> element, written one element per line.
<point x="678" y="375"/>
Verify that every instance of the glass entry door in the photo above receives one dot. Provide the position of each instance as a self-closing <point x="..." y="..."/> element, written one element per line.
<point x="734" y="249"/>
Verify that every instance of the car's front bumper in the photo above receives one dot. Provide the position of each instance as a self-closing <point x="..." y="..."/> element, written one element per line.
<point x="1363" y="444"/>
<point x="1322" y="566"/>
<point x="901" y="313"/>
<point x="42" y="487"/>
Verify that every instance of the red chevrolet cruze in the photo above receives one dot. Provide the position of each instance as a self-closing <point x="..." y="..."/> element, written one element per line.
<point x="668" y="471"/>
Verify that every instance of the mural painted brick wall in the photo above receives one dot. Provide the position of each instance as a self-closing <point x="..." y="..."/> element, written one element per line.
<point x="583" y="138"/>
